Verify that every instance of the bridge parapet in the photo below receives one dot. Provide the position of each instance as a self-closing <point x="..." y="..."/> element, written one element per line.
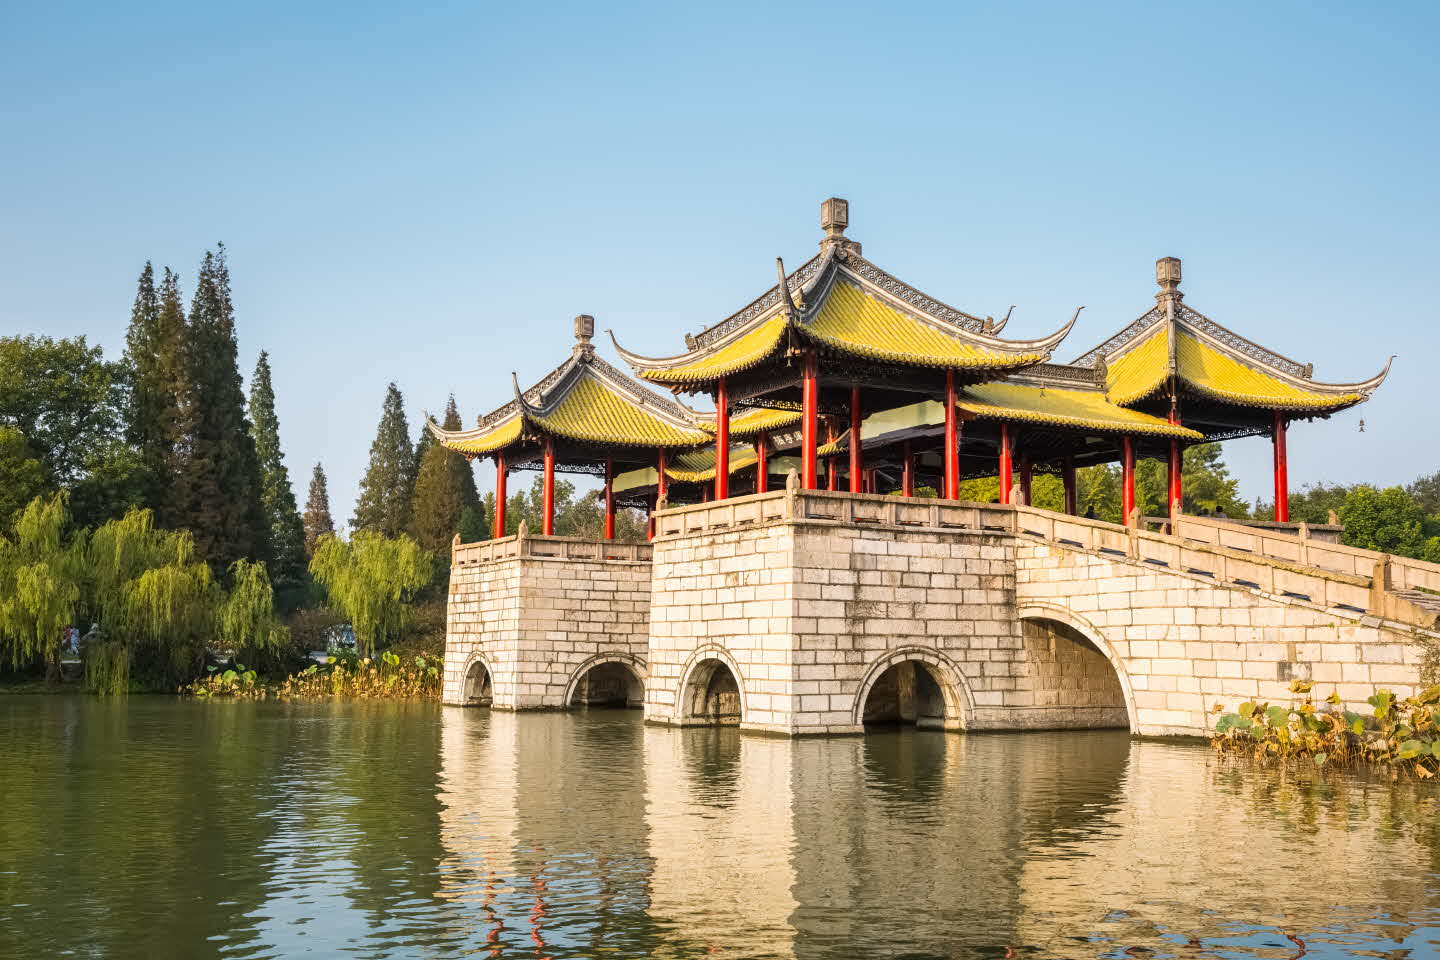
<point x="559" y="548"/>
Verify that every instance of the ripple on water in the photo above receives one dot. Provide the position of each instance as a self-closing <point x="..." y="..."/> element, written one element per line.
<point x="155" y="827"/>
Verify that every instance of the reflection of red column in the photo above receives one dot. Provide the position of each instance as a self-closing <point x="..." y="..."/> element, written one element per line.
<point x="1006" y="468"/>
<point x="548" y="505"/>
<point x="762" y="465"/>
<point x="609" y="499"/>
<point x="500" y="477"/>
<point x="722" y="442"/>
<point x="1067" y="473"/>
<point x="857" y="469"/>
<point x="952" y="441"/>
<point x="1127" y="479"/>
<point x="907" y="473"/>
<point x="1282" y="471"/>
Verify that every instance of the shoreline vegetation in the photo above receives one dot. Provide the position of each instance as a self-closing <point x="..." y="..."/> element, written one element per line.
<point x="389" y="676"/>
<point x="1402" y="735"/>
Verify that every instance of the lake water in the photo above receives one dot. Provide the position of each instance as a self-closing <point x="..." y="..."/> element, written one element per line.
<point x="153" y="827"/>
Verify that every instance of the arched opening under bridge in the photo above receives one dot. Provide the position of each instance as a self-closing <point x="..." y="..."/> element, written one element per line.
<point x="712" y="695"/>
<point x="478" y="691"/>
<point x="908" y="693"/>
<point x="612" y="683"/>
<point x="1074" y="679"/>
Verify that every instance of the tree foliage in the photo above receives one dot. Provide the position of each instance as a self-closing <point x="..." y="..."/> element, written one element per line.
<point x="371" y="580"/>
<point x="385" y="490"/>
<point x="287" y="533"/>
<point x="444" y="490"/>
<point x="318" y="522"/>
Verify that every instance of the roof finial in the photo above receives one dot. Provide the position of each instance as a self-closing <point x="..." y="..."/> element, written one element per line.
<point x="584" y="330"/>
<point x="1167" y="274"/>
<point x="834" y="218"/>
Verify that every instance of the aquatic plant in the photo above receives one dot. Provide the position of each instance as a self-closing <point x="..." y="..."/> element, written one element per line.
<point x="1401" y="733"/>
<point x="347" y="676"/>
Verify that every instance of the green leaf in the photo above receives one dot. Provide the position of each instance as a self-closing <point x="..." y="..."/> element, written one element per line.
<point x="1358" y="727"/>
<point x="1278" y="716"/>
<point x="1246" y="708"/>
<point x="1410" y="749"/>
<point x="1320" y="759"/>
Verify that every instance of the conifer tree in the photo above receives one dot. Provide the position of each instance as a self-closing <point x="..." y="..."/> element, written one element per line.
<point x="287" y="534"/>
<point x="318" y="522"/>
<point x="220" y="486"/>
<point x="385" y="490"/>
<point x="444" y="490"/>
<point x="160" y="422"/>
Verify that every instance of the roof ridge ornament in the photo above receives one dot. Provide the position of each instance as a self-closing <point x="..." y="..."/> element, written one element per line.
<point x="991" y="328"/>
<point x="787" y="299"/>
<point x="1167" y="275"/>
<point x="584" y="330"/>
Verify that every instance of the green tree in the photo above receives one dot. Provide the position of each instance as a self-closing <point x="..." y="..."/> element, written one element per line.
<point x="166" y="443"/>
<point x="68" y="403"/>
<point x="444" y="490"/>
<point x="318" y="522"/>
<point x="386" y="488"/>
<point x="1312" y="503"/>
<point x="371" y="579"/>
<point x="22" y="475"/>
<point x="39" y="584"/>
<point x="1388" y="520"/>
<point x="287" y="532"/>
<point x="220" y="487"/>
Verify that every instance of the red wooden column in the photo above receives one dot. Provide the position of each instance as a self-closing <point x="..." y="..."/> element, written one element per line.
<point x="662" y="489"/>
<point x="722" y="442"/>
<point x="1007" y="467"/>
<point x="650" y="526"/>
<point x="907" y="472"/>
<point x="1067" y="476"/>
<point x="952" y="440"/>
<point x="762" y="465"/>
<point x="857" y="468"/>
<point x="832" y="463"/>
<point x="609" y="499"/>
<point x="500" y="476"/>
<point x="1127" y="479"/>
<point x="1177" y="483"/>
<point x="1282" y="471"/>
<point x="809" y="401"/>
<point x="1027" y="476"/>
<point x="548" y="504"/>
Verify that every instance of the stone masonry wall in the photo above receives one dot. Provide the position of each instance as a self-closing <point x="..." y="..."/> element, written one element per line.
<point x="535" y="621"/>
<point x="1185" y="643"/>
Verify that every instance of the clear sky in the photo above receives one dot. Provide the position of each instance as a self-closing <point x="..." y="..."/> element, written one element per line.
<point x="428" y="193"/>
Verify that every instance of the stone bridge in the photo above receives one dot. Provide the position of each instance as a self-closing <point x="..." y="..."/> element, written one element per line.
<point x="819" y="612"/>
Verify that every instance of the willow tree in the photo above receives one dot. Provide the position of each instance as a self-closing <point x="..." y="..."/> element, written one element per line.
<point x="371" y="580"/>
<point x="39" y="584"/>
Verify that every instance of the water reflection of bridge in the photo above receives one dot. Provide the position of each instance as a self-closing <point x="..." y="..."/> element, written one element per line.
<point x="578" y="833"/>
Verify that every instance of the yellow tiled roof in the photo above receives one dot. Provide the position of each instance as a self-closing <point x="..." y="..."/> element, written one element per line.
<point x="756" y="420"/>
<point x="742" y="353"/>
<point x="698" y="466"/>
<point x="1141" y="371"/>
<point x="1065" y="408"/>
<point x="855" y="322"/>
<point x="591" y="413"/>
<point x="1210" y="372"/>
<point x="501" y="436"/>
<point x="1214" y="374"/>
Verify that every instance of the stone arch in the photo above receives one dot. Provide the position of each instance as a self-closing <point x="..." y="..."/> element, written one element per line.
<point x="632" y="666"/>
<point x="477" y="683"/>
<point x="1035" y="610"/>
<point x="954" y="689"/>
<point x="704" y="697"/>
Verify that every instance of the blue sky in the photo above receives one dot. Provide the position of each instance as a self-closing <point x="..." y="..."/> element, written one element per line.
<point x="428" y="194"/>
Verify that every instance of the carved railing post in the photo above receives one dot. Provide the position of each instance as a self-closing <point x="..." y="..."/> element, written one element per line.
<point x="1379" y="585"/>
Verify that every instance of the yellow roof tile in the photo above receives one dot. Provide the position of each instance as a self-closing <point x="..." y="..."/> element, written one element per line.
<point x="504" y="434"/>
<point x="855" y="322"/>
<point x="1218" y="376"/>
<point x="1141" y="370"/>
<point x="739" y="354"/>
<point x="698" y="466"/>
<point x="756" y="420"/>
<point x="591" y="413"/>
<point x="1082" y="409"/>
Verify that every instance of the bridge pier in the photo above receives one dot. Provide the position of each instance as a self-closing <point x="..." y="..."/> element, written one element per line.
<point x="545" y="623"/>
